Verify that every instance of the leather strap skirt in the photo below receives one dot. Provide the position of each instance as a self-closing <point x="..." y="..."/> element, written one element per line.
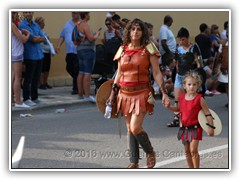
<point x="188" y="133"/>
<point x="134" y="101"/>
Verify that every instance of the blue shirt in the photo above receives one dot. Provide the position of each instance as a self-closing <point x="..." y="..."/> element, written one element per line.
<point x="32" y="51"/>
<point x="214" y="48"/>
<point x="66" y="34"/>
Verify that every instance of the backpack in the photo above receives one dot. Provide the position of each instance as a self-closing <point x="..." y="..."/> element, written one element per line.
<point x="76" y="37"/>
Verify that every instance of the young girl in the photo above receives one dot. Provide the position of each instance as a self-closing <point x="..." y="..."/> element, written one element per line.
<point x="190" y="103"/>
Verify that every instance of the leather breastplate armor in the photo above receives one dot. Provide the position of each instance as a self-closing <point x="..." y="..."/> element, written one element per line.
<point x="185" y="62"/>
<point x="135" y="63"/>
<point x="135" y="68"/>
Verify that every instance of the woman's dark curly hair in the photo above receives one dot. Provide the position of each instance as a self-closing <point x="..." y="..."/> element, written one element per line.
<point x="127" y="30"/>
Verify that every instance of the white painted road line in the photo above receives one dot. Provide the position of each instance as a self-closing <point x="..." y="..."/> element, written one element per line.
<point x="180" y="158"/>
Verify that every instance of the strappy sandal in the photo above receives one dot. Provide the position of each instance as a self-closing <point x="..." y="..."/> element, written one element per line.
<point x="133" y="166"/>
<point x="175" y="122"/>
<point x="151" y="159"/>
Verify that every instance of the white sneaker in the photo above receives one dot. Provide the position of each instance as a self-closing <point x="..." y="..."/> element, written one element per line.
<point x="90" y="99"/>
<point x="38" y="101"/>
<point x="23" y="105"/>
<point x="29" y="103"/>
<point x="208" y="93"/>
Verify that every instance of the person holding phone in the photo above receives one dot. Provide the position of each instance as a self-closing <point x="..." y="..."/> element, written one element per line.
<point x="86" y="57"/>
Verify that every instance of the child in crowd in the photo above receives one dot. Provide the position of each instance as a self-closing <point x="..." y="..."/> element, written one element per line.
<point x="211" y="79"/>
<point x="166" y="72"/>
<point x="190" y="103"/>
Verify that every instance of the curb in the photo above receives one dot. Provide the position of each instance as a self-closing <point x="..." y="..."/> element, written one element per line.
<point x="50" y="107"/>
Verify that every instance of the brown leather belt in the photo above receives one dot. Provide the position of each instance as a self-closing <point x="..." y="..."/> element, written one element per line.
<point x="134" y="88"/>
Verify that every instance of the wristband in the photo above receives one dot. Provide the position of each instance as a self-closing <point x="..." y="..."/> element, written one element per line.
<point x="211" y="126"/>
<point x="206" y="115"/>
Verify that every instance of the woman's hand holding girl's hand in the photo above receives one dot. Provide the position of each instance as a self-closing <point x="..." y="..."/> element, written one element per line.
<point x="165" y="100"/>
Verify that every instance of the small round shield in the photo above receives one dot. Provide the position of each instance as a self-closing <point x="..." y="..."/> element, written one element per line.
<point x="102" y="96"/>
<point x="216" y="122"/>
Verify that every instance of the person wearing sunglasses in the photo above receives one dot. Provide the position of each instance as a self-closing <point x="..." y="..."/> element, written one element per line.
<point x="109" y="33"/>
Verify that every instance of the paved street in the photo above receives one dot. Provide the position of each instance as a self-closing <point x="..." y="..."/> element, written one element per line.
<point x="82" y="138"/>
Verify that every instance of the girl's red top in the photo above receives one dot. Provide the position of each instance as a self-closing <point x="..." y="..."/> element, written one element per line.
<point x="189" y="109"/>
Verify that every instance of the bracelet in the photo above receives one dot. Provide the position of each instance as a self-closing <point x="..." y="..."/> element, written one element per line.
<point x="163" y="89"/>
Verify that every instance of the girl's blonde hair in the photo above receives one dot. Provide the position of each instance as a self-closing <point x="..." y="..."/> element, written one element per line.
<point x="194" y="75"/>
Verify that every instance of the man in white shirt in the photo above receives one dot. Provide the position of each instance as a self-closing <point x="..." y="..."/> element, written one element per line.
<point x="167" y="42"/>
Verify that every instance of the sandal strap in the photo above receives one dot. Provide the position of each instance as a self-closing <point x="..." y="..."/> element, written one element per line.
<point x="151" y="159"/>
<point x="174" y="123"/>
<point x="176" y="117"/>
<point x="133" y="166"/>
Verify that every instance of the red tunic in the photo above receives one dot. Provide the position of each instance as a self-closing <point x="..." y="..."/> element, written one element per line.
<point x="189" y="110"/>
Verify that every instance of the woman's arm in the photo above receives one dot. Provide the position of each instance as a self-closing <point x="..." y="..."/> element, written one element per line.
<point x="88" y="33"/>
<point x="112" y="97"/>
<point x="22" y="37"/>
<point x="157" y="75"/>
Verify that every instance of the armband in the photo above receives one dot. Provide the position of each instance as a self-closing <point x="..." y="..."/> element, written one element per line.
<point x="206" y="115"/>
<point x="211" y="126"/>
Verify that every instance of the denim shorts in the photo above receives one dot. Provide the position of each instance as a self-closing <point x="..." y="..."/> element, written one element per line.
<point x="86" y="60"/>
<point x="178" y="81"/>
<point x="17" y="58"/>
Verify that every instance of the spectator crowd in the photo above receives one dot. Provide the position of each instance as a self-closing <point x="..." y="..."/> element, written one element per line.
<point x="32" y="51"/>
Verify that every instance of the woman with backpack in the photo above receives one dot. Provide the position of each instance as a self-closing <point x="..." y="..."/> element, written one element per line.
<point x="86" y="56"/>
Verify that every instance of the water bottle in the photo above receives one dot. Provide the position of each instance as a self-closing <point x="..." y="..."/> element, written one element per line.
<point x="108" y="111"/>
